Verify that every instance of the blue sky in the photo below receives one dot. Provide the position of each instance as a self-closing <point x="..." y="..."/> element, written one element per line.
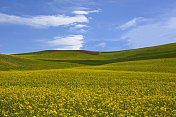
<point x="97" y="25"/>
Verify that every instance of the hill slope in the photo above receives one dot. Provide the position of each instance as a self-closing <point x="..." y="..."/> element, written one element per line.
<point x="162" y="51"/>
<point x="165" y="65"/>
<point x="141" y="59"/>
<point x="12" y="62"/>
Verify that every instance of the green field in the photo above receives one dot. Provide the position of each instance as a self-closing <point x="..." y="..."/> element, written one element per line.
<point x="139" y="83"/>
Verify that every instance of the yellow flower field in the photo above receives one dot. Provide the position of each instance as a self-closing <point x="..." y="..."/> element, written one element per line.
<point x="76" y="92"/>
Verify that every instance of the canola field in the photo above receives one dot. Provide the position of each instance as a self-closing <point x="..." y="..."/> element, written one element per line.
<point x="80" y="93"/>
<point x="130" y="83"/>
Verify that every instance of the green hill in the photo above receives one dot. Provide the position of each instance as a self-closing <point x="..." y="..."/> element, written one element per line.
<point x="64" y="55"/>
<point x="147" y="58"/>
<point x="165" y="65"/>
<point x="162" y="51"/>
<point x="13" y="62"/>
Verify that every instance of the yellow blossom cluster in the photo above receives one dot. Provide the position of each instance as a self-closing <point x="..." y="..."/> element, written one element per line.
<point x="80" y="93"/>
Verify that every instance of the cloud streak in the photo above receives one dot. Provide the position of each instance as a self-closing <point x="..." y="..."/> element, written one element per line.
<point x="102" y="45"/>
<point x="152" y="34"/>
<point x="81" y="12"/>
<point x="72" y="42"/>
<point x="131" y="23"/>
<point x="43" y="21"/>
<point x="80" y="26"/>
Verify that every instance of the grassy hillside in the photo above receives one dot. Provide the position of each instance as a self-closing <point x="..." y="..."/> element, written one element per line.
<point x="12" y="62"/>
<point x="157" y="52"/>
<point x="102" y="60"/>
<point x="162" y="51"/>
<point x="63" y="55"/>
<point x="166" y="65"/>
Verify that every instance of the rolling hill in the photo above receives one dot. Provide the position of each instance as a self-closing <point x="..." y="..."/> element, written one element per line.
<point x="161" y="51"/>
<point x="139" y="82"/>
<point x="161" y="57"/>
<point x="12" y="62"/>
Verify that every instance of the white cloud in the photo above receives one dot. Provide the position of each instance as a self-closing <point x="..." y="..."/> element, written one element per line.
<point x="102" y="45"/>
<point x="82" y="31"/>
<point x="81" y="12"/>
<point x="69" y="48"/>
<point x="80" y="26"/>
<point x="131" y="23"/>
<point x="85" y="12"/>
<point x="43" y="21"/>
<point x="152" y="34"/>
<point x="82" y="8"/>
<point x="72" y="42"/>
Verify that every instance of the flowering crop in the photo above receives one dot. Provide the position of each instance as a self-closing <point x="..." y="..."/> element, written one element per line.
<point x="76" y="92"/>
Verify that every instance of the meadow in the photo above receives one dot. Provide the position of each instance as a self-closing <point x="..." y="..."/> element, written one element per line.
<point x="137" y="83"/>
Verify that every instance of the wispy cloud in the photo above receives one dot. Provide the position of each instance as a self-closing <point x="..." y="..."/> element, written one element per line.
<point x="85" y="12"/>
<point x="131" y="23"/>
<point x="80" y="26"/>
<point x="102" y="45"/>
<point x="151" y="34"/>
<point x="43" y="21"/>
<point x="171" y="23"/>
<point x="72" y="42"/>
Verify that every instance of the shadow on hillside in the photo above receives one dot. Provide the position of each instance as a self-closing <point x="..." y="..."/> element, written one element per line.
<point x="86" y="62"/>
<point x="130" y="58"/>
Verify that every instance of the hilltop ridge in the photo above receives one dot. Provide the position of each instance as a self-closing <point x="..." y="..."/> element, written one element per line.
<point x="84" y="51"/>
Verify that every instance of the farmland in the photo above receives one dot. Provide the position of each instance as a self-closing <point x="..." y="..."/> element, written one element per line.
<point x="137" y="82"/>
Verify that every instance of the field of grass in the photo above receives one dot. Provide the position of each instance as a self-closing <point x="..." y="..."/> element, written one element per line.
<point x="164" y="65"/>
<point x="137" y="83"/>
<point x="162" y="51"/>
<point x="12" y="62"/>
